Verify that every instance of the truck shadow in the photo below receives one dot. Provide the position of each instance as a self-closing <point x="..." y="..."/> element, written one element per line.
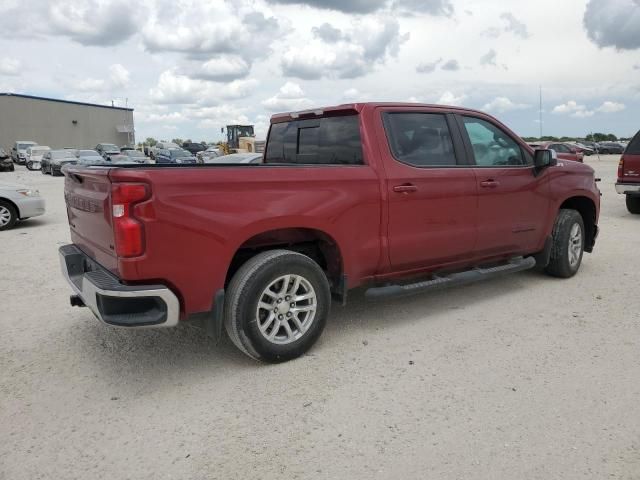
<point x="159" y="358"/>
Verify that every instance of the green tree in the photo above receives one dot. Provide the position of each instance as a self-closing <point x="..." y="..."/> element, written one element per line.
<point x="177" y="141"/>
<point x="151" y="141"/>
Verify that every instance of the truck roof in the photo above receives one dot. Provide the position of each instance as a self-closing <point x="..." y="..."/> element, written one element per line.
<point x="355" y="108"/>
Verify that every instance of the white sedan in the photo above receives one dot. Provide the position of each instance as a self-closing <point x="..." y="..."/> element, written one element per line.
<point x="18" y="202"/>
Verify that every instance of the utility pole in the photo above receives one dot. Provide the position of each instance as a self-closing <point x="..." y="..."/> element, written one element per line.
<point x="540" y="120"/>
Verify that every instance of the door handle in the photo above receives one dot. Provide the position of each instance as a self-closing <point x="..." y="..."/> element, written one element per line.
<point x="407" y="188"/>
<point x="490" y="184"/>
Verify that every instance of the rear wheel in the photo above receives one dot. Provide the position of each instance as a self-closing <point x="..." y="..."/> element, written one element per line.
<point x="568" y="244"/>
<point x="633" y="204"/>
<point x="30" y="165"/>
<point x="277" y="306"/>
<point x="8" y="215"/>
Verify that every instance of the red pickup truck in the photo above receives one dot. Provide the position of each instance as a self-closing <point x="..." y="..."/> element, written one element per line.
<point x="397" y="198"/>
<point x="629" y="175"/>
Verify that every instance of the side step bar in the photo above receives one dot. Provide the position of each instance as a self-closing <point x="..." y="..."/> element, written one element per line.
<point x="455" y="279"/>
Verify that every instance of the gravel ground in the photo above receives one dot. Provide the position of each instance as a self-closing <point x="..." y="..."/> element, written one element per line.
<point x="524" y="377"/>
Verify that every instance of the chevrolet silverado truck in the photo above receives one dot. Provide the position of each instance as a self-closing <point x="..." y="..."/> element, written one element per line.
<point x="394" y="198"/>
<point x="628" y="183"/>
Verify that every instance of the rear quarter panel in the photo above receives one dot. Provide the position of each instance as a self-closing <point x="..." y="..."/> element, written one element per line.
<point x="198" y="217"/>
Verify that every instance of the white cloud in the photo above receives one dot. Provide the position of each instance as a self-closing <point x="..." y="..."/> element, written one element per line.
<point x="291" y="97"/>
<point x="10" y="66"/>
<point x="355" y="95"/>
<point x="224" y="68"/>
<point x="119" y="76"/>
<point x="611" y="107"/>
<point x="449" y="98"/>
<point x="175" y="88"/>
<point x="93" y="22"/>
<point x="118" y="79"/>
<point x="503" y="104"/>
<point x="354" y="53"/>
<point x="573" y="109"/>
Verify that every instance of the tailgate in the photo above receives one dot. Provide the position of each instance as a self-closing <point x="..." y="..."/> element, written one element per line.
<point x="87" y="195"/>
<point x="630" y="162"/>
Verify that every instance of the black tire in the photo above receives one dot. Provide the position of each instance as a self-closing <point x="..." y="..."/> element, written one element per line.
<point x="13" y="215"/>
<point x="560" y="264"/>
<point x="30" y="166"/>
<point x="245" y="291"/>
<point x="633" y="204"/>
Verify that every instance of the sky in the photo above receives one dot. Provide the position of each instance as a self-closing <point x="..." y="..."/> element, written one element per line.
<point x="190" y="67"/>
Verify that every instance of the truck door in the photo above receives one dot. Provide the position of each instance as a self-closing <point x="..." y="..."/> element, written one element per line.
<point x="513" y="202"/>
<point x="431" y="191"/>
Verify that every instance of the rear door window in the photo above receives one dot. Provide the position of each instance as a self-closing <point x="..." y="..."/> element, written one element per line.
<point x="325" y="141"/>
<point x="420" y="139"/>
<point x="634" y="146"/>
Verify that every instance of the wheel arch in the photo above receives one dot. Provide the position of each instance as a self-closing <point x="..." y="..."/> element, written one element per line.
<point x="12" y="203"/>
<point x="587" y="209"/>
<point x="313" y="242"/>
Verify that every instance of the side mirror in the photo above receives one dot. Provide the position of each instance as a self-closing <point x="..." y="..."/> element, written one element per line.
<point x="545" y="158"/>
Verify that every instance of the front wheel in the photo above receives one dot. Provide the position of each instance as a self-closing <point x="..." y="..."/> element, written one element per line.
<point x="277" y="306"/>
<point x="568" y="244"/>
<point x="8" y="215"/>
<point x="633" y="204"/>
<point x="30" y="166"/>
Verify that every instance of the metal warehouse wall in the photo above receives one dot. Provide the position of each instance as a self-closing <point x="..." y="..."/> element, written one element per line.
<point x="50" y="122"/>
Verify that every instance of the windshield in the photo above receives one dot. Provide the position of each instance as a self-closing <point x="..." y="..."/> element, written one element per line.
<point x="134" y="153"/>
<point x="38" y="151"/>
<point x="179" y="153"/>
<point x="23" y="146"/>
<point x="110" y="148"/>
<point x="58" y="154"/>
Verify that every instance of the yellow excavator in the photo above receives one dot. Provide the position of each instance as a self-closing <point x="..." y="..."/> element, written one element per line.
<point x="240" y="139"/>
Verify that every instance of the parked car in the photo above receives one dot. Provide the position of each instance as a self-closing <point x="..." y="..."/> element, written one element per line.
<point x="19" y="151"/>
<point x="193" y="147"/>
<point x="174" y="155"/>
<point x="629" y="175"/>
<point x="581" y="148"/>
<point x="6" y="164"/>
<point x="237" y="158"/>
<point x="90" y="157"/>
<point x="17" y="203"/>
<point x="53" y="161"/>
<point x="565" y="152"/>
<point x="34" y="156"/>
<point x="260" y="249"/>
<point x="136" y="156"/>
<point x="208" y="154"/>
<point x="610" y="148"/>
<point x="107" y="150"/>
<point x="153" y="151"/>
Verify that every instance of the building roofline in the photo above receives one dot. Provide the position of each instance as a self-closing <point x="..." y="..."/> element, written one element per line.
<point x="32" y="97"/>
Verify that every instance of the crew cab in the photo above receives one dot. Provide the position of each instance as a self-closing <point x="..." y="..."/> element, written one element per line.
<point x="396" y="198"/>
<point x="628" y="183"/>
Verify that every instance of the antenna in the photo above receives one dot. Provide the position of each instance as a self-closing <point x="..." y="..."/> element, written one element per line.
<point x="540" y="112"/>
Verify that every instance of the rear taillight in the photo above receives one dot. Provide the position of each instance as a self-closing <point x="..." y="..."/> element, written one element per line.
<point x="128" y="231"/>
<point x="621" y="168"/>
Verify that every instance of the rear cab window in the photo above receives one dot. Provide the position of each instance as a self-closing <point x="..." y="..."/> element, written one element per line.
<point x="319" y="141"/>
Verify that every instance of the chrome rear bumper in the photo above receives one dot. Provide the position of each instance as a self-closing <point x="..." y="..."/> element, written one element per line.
<point x="111" y="301"/>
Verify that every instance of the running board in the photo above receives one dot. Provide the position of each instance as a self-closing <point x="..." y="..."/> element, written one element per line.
<point x="452" y="280"/>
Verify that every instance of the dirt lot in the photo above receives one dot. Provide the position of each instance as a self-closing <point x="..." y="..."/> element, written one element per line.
<point x="524" y="377"/>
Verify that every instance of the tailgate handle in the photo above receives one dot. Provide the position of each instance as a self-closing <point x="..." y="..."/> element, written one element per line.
<point x="406" y="188"/>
